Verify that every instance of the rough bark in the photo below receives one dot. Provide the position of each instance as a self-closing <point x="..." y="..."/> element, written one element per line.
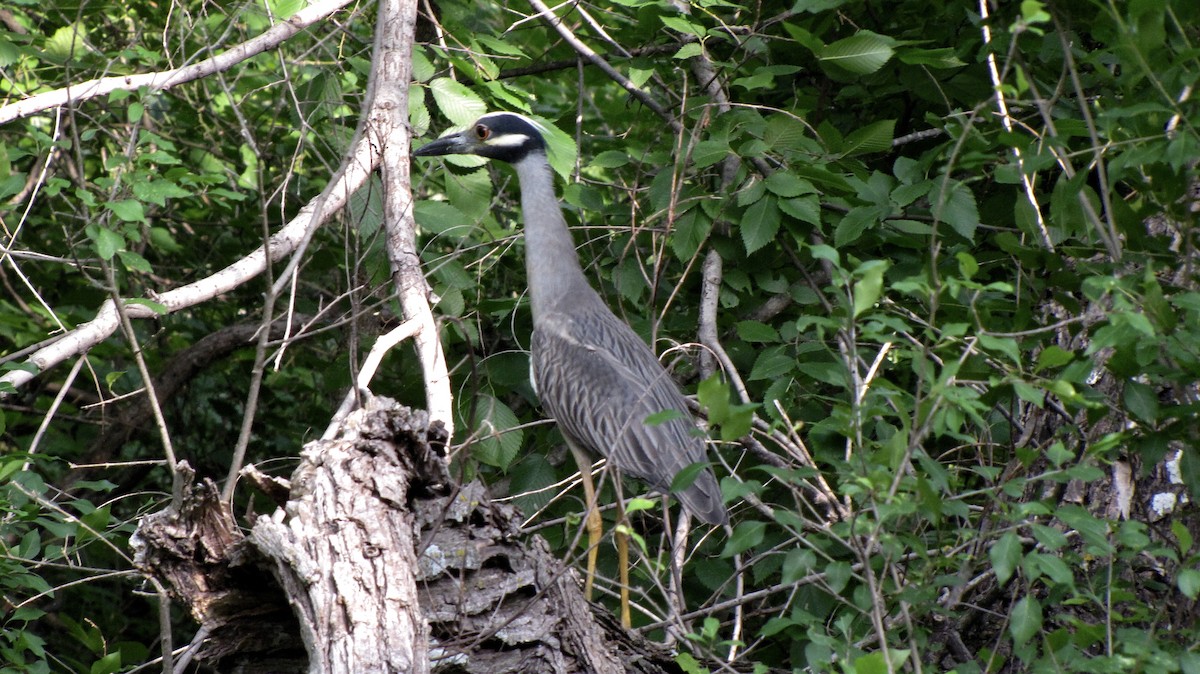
<point x="373" y="527"/>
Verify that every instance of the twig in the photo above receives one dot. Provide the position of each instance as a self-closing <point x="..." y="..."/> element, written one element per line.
<point x="552" y="66"/>
<point x="707" y="330"/>
<point x="382" y="345"/>
<point x="597" y="60"/>
<point x="1006" y="120"/>
<point x="169" y="78"/>
<point x="164" y="626"/>
<point x="353" y="174"/>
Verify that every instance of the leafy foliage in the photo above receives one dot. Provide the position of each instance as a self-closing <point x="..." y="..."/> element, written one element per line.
<point x="958" y="305"/>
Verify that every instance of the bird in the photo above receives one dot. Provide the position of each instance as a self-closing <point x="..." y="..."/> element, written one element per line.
<point x="598" y="380"/>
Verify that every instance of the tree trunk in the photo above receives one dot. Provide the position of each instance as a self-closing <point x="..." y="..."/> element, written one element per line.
<point x="377" y="562"/>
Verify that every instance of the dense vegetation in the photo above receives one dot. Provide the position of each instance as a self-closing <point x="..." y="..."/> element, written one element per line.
<point x="956" y="328"/>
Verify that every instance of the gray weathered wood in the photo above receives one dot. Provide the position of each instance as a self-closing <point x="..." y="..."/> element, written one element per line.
<point x="378" y="562"/>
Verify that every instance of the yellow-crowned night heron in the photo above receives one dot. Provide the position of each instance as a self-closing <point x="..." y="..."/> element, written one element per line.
<point x="593" y="374"/>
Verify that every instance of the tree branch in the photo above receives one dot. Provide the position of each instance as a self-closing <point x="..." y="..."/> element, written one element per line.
<point x="388" y="119"/>
<point x="169" y="78"/>
<point x="352" y="175"/>
<point x="598" y="60"/>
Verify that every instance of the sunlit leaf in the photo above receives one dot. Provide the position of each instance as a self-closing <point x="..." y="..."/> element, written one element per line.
<point x="862" y="53"/>
<point x="457" y="102"/>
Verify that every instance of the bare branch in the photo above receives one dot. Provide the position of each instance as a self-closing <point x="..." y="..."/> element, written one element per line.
<point x="388" y="119"/>
<point x="598" y="60"/>
<point x="170" y="78"/>
<point x="354" y="172"/>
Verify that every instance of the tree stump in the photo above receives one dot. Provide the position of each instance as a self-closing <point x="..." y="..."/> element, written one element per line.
<point x="378" y="562"/>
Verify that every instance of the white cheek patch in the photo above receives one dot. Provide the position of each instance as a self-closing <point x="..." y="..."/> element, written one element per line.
<point x="507" y="140"/>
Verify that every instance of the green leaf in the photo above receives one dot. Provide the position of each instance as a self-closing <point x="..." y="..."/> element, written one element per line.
<point x="662" y="417"/>
<point x="869" y="286"/>
<point x="158" y="191"/>
<point x="862" y="53"/>
<point x="1026" y="619"/>
<point x="713" y="395"/>
<point x="67" y="42"/>
<point x="105" y="241"/>
<point x="941" y="57"/>
<point x="160" y="309"/>
<point x="610" y="159"/>
<point x="771" y="364"/>
<point x="1188" y="582"/>
<point x="958" y="209"/>
<point x="439" y="217"/>
<point x="747" y="535"/>
<point x="681" y="25"/>
<point x="760" y="223"/>
<point x="757" y="331"/>
<point x="853" y="224"/>
<point x="686" y="661"/>
<point x="874" y="137"/>
<point x="788" y="185"/>
<point x="686" y="477"/>
<point x="560" y="147"/>
<point x="877" y="663"/>
<point x="1182" y="535"/>
<point x="281" y="10"/>
<point x="838" y="575"/>
<point x="499" y="46"/>
<point x="689" y="50"/>
<point x="129" y="210"/>
<point x="458" y="103"/>
<point x="1005" y="555"/>
<point x="529" y="479"/>
<point x="1054" y="568"/>
<point x="1006" y="345"/>
<point x="108" y="664"/>
<point x="805" y="209"/>
<point x="1053" y="356"/>
<point x="134" y="262"/>
<point x="798" y="563"/>
<point x="636" y="504"/>
<point x="499" y="432"/>
<point x="968" y="266"/>
<point x="9" y="53"/>
<point x="709" y="152"/>
<point x="871" y="663"/>
<point x="1141" y="401"/>
<point x="422" y="67"/>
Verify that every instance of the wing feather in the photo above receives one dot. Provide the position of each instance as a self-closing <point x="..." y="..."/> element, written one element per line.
<point x="601" y="382"/>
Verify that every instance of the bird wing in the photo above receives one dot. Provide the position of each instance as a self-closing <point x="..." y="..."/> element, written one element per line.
<point x="601" y="382"/>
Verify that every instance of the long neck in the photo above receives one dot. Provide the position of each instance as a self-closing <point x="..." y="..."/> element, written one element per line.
<point x="551" y="263"/>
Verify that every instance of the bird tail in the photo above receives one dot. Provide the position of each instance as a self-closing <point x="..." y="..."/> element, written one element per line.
<point x="703" y="499"/>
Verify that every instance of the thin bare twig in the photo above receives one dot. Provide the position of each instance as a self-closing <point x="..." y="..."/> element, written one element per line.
<point x="598" y="60"/>
<point x="169" y="78"/>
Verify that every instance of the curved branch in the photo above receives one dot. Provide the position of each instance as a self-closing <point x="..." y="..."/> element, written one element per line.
<point x="166" y="79"/>
<point x="354" y="172"/>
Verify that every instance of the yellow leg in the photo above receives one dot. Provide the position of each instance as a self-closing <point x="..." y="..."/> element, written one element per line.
<point x="623" y="562"/>
<point x="595" y="526"/>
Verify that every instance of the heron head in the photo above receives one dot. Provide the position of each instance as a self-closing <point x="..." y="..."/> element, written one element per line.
<point x="505" y="136"/>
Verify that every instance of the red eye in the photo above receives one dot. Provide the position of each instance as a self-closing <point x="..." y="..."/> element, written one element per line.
<point x="482" y="132"/>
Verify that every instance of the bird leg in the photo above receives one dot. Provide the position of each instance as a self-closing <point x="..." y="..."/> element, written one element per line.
<point x="623" y="559"/>
<point x="595" y="526"/>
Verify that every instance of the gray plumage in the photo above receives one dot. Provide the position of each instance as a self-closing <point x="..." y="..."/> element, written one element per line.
<point x="593" y="374"/>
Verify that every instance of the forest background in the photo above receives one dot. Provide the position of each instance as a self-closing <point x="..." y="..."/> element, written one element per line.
<point x="954" y="308"/>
